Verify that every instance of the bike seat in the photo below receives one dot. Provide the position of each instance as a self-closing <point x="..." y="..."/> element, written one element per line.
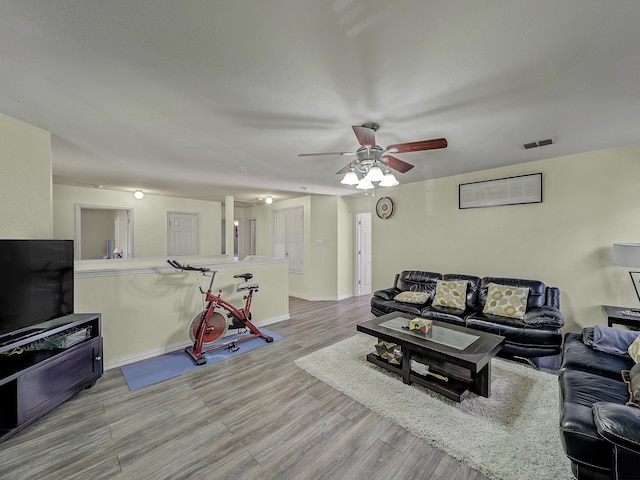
<point x="245" y="276"/>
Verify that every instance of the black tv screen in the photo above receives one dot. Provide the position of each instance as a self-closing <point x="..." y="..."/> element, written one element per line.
<point x="36" y="282"/>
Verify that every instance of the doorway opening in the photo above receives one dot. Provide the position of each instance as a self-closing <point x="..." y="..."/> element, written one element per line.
<point x="103" y="232"/>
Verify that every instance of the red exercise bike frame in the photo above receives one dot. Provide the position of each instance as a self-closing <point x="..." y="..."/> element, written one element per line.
<point x="209" y="326"/>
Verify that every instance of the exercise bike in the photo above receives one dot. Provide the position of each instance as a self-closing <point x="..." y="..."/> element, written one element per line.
<point x="209" y="326"/>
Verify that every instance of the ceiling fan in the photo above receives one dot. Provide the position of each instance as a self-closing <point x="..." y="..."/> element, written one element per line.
<point x="373" y="163"/>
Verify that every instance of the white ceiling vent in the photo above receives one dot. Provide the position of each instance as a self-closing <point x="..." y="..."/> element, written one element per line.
<point x="539" y="143"/>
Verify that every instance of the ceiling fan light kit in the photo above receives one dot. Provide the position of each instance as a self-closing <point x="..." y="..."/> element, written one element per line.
<point x="373" y="163"/>
<point x="350" y="178"/>
<point x="389" y="180"/>
<point x="364" y="184"/>
<point x="374" y="174"/>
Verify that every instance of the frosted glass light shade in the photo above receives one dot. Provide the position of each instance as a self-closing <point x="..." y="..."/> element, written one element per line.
<point x="350" y="178"/>
<point x="389" y="180"/>
<point x="138" y="194"/>
<point x="364" y="184"/>
<point x="374" y="174"/>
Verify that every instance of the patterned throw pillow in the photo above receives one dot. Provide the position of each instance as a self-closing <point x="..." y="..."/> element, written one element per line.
<point x="634" y="350"/>
<point x="506" y="301"/>
<point x="451" y="293"/>
<point x="412" y="297"/>
<point x="632" y="379"/>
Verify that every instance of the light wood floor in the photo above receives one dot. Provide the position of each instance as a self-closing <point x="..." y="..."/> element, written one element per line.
<point x="256" y="416"/>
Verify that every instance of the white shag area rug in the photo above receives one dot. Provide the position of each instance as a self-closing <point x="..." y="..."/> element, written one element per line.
<point x="512" y="435"/>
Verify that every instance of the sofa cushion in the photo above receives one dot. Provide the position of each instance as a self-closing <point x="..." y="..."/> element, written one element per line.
<point x="578" y="356"/>
<point x="634" y="350"/>
<point x="632" y="379"/>
<point x="545" y="316"/>
<point x="443" y="314"/>
<point x="515" y="333"/>
<point x="451" y="293"/>
<point x="419" y="298"/>
<point x="506" y="301"/>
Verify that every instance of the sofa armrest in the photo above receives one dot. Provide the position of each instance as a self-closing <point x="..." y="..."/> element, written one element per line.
<point x="618" y="424"/>
<point x="544" y="316"/>
<point x="387" y="293"/>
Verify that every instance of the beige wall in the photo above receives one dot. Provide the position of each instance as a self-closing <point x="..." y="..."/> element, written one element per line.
<point x="328" y="244"/>
<point x="146" y="314"/>
<point x="590" y="201"/>
<point x="149" y="217"/>
<point x="25" y="181"/>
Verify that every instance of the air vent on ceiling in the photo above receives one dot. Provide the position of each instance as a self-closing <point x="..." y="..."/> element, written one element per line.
<point x="539" y="143"/>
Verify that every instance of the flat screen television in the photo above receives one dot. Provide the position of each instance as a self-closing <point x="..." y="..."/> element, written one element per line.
<point x="36" y="284"/>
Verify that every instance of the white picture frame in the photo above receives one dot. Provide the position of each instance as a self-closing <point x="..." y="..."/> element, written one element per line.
<point x="502" y="191"/>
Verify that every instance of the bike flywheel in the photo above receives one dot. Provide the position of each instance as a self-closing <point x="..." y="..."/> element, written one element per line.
<point x="215" y="328"/>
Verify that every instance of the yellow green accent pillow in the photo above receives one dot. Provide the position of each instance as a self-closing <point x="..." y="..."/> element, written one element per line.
<point x="506" y="301"/>
<point x="412" y="297"/>
<point x="634" y="350"/>
<point x="632" y="379"/>
<point x="451" y="293"/>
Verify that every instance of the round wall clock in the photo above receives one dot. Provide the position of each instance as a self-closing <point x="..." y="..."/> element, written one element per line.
<point x="384" y="208"/>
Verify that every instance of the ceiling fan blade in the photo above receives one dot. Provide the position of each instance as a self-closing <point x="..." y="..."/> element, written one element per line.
<point x="344" y="169"/>
<point x="365" y="135"/>
<point x="418" y="146"/>
<point x="325" y="153"/>
<point x="395" y="163"/>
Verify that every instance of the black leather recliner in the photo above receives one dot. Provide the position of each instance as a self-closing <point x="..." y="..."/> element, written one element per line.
<point x="599" y="433"/>
<point x="538" y="334"/>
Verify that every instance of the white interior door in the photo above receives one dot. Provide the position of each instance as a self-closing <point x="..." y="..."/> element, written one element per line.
<point x="363" y="253"/>
<point x="288" y="237"/>
<point x="183" y="234"/>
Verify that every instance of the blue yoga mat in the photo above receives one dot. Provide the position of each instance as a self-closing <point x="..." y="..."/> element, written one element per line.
<point x="163" y="367"/>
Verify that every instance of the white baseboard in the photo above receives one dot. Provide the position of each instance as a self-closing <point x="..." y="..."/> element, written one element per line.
<point x="320" y="299"/>
<point x="121" y="362"/>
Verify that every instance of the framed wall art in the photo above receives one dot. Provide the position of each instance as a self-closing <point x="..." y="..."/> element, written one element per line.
<point x="502" y="191"/>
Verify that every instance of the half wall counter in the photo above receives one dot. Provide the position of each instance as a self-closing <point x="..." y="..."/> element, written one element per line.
<point x="147" y="305"/>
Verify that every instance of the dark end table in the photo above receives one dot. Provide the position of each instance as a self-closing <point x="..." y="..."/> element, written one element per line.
<point x="618" y="316"/>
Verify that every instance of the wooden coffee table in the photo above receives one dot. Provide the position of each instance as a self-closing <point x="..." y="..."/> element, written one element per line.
<point x="459" y="354"/>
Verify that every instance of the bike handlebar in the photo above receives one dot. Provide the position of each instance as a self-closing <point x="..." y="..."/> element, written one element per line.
<point x="179" y="266"/>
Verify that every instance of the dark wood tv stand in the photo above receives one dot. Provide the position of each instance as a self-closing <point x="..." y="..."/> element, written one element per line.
<point x="34" y="382"/>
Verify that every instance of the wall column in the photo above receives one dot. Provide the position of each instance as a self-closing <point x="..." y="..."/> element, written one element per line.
<point x="230" y="227"/>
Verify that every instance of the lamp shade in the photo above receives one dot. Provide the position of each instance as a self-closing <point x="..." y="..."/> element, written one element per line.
<point x="364" y="184"/>
<point x="389" y="180"/>
<point x="350" y="178"/>
<point x="626" y="254"/>
<point x="374" y="174"/>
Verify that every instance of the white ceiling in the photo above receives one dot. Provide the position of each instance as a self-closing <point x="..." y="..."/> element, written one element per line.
<point x="207" y="98"/>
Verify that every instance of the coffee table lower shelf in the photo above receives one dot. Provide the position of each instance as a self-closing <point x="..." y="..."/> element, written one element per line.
<point x="454" y="389"/>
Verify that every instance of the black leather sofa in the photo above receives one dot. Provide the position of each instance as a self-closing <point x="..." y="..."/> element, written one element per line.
<point x="538" y="334"/>
<point x="600" y="434"/>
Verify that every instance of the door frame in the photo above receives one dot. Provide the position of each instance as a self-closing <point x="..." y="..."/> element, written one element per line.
<point x="356" y="257"/>
<point x="78" y="234"/>
<point x="175" y="212"/>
